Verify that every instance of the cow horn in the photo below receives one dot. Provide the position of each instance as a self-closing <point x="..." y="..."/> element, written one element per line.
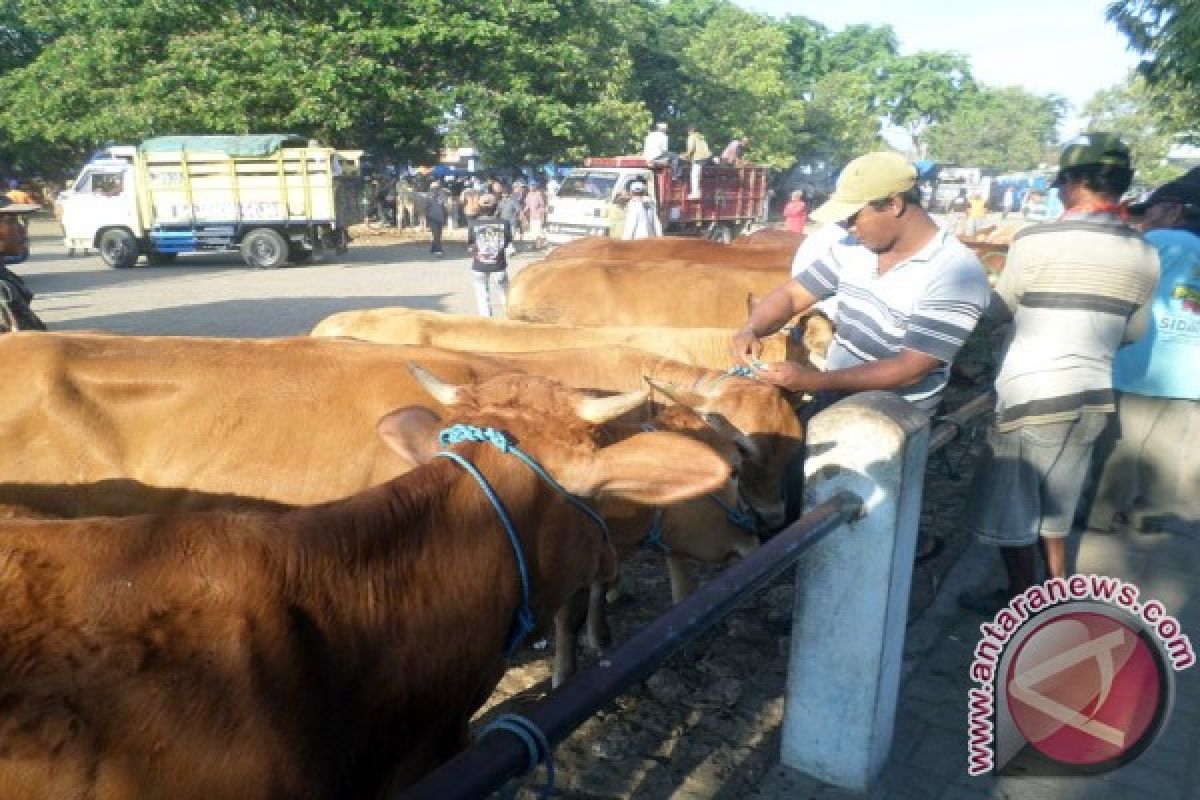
<point x="730" y="431"/>
<point x="603" y="409"/>
<point x="445" y="393"/>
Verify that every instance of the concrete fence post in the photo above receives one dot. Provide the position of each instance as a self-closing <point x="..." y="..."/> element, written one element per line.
<point x="852" y="590"/>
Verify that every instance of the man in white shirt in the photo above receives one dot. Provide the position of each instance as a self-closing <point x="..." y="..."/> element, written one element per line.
<point x="641" y="218"/>
<point x="656" y="146"/>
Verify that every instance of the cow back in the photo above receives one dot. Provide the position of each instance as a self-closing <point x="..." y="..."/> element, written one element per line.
<point x="675" y="294"/>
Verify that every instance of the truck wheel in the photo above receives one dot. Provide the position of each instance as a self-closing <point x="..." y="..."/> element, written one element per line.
<point x="722" y="234"/>
<point x="264" y="248"/>
<point x="118" y="248"/>
<point x="160" y="259"/>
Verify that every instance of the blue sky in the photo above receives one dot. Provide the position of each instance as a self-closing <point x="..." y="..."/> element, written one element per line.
<point x="1061" y="46"/>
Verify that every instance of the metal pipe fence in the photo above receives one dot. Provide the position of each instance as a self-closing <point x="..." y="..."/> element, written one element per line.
<point x="494" y="759"/>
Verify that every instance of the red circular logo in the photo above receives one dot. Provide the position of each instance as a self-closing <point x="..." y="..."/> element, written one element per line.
<point x="1085" y="688"/>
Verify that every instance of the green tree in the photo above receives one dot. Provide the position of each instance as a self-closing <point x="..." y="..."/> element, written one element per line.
<point x="527" y="80"/>
<point x="918" y="91"/>
<point x="1149" y="118"/>
<point x="1167" y="32"/>
<point x="735" y="68"/>
<point x="1006" y="129"/>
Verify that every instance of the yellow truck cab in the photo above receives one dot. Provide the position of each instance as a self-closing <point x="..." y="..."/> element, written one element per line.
<point x="276" y="198"/>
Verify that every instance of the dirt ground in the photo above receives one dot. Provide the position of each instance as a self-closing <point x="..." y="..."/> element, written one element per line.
<point x="707" y="725"/>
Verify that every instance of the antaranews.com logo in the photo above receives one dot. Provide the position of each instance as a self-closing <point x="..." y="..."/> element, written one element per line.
<point x="1074" y="675"/>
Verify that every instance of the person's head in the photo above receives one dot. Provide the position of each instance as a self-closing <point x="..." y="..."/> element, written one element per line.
<point x="637" y="189"/>
<point x="661" y="126"/>
<point x="1172" y="205"/>
<point x="621" y="198"/>
<point x="693" y="129"/>
<point x="487" y="202"/>
<point x="876" y="198"/>
<point x="798" y="196"/>
<point x="1093" y="162"/>
<point x="435" y="184"/>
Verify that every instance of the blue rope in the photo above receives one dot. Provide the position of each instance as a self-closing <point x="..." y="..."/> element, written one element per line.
<point x="743" y="371"/>
<point x="523" y="625"/>
<point x="536" y="744"/>
<point x="738" y="518"/>
<point x="654" y="539"/>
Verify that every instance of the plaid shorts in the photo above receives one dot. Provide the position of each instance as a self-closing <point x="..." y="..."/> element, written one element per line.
<point x="1029" y="480"/>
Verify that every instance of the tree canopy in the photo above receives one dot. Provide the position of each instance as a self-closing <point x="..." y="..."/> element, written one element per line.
<point x="1006" y="129"/>
<point x="525" y="81"/>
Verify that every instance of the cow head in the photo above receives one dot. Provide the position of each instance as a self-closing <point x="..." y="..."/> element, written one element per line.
<point x="719" y="525"/>
<point x="760" y="421"/>
<point x="559" y="428"/>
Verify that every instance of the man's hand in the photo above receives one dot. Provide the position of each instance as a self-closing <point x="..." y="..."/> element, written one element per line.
<point x="790" y="376"/>
<point x="746" y="347"/>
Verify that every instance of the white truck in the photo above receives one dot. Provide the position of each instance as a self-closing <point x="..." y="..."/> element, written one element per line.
<point x="277" y="198"/>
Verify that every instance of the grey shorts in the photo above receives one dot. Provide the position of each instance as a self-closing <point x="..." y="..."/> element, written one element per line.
<point x="1029" y="480"/>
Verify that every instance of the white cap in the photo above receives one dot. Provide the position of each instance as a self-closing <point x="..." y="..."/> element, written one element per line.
<point x="637" y="186"/>
<point x="662" y="126"/>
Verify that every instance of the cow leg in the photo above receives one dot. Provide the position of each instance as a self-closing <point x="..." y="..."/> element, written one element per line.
<point x="598" y="636"/>
<point x="681" y="578"/>
<point x="567" y="622"/>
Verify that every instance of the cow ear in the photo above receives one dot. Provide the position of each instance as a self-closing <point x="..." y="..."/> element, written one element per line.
<point x="651" y="469"/>
<point x="412" y="433"/>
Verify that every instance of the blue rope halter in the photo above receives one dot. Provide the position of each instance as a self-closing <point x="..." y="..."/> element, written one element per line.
<point x="523" y="624"/>
<point x="653" y="540"/>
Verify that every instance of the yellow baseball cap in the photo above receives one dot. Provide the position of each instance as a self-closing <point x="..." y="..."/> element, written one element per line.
<point x="866" y="178"/>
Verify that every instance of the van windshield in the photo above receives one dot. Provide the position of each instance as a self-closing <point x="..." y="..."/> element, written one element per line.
<point x="592" y="185"/>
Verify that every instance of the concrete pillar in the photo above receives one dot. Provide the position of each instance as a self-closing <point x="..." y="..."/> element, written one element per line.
<point x="852" y="590"/>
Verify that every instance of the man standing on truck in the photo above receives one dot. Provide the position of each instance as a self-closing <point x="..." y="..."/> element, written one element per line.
<point x="698" y="154"/>
<point x="735" y="151"/>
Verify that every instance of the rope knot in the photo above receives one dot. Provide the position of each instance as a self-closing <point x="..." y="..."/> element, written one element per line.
<point x="742" y="371"/>
<point x="473" y="433"/>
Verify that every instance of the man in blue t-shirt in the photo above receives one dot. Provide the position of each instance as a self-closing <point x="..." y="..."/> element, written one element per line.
<point x="1150" y="471"/>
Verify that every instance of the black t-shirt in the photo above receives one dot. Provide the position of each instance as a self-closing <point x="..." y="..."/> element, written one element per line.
<point x="491" y="237"/>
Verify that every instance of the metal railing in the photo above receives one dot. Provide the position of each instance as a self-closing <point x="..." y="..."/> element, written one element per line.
<point x="494" y="759"/>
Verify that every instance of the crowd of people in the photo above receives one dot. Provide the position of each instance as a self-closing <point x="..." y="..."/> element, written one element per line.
<point x="1097" y="383"/>
<point x="436" y="204"/>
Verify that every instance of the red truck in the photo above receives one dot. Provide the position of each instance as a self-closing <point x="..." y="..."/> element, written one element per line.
<point x="731" y="198"/>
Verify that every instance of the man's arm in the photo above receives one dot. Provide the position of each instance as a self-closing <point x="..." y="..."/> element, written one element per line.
<point x="904" y="369"/>
<point x="771" y="314"/>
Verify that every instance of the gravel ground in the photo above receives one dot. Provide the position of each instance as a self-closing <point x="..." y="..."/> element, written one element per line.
<point x="705" y="726"/>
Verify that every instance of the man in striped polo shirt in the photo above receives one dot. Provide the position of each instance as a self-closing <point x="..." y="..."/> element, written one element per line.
<point x="908" y="293"/>
<point x="1075" y="290"/>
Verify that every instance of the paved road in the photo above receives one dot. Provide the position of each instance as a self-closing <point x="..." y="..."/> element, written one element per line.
<point x="213" y="294"/>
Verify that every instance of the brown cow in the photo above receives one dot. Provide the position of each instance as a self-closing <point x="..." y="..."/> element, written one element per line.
<point x="334" y="651"/>
<point x="668" y="248"/>
<point x="337" y="390"/>
<point x="702" y="347"/>
<point x="674" y="294"/>
<point x="770" y="237"/>
<point x="127" y="424"/>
